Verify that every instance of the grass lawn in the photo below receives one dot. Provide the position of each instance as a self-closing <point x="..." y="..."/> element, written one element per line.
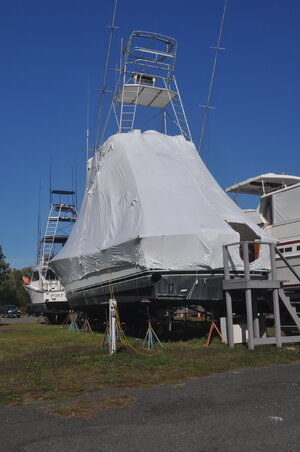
<point x="48" y="363"/>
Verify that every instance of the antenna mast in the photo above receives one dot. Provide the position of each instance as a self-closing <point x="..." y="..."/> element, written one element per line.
<point x="39" y="224"/>
<point x="50" y="181"/>
<point x="207" y="106"/>
<point x="103" y="90"/>
<point x="87" y="121"/>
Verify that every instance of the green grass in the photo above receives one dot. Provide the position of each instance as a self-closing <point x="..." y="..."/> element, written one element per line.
<point x="48" y="363"/>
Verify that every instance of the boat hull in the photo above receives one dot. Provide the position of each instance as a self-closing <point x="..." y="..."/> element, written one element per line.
<point x="162" y="287"/>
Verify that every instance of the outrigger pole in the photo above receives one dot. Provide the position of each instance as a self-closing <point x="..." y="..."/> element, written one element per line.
<point x="87" y="121"/>
<point x="103" y="90"/>
<point x="207" y="106"/>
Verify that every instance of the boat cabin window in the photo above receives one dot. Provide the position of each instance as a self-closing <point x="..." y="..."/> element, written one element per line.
<point x="35" y="276"/>
<point x="288" y="249"/>
<point x="298" y="248"/>
<point x="247" y="234"/>
<point x="50" y="275"/>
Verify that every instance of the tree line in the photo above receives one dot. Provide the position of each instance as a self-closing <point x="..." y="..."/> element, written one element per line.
<point x="11" y="284"/>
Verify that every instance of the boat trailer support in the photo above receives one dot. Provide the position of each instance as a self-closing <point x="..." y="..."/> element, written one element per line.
<point x="112" y="326"/>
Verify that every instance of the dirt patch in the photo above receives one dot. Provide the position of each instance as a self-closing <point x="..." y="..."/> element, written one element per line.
<point x="88" y="408"/>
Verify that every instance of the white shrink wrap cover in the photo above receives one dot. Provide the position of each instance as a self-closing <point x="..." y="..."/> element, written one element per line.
<point x="150" y="202"/>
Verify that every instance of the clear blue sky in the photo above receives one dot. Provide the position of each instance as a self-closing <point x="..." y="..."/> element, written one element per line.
<point x="48" y="49"/>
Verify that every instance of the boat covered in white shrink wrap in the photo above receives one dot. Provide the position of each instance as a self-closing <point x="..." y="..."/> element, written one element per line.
<point x="151" y="204"/>
<point x="153" y="219"/>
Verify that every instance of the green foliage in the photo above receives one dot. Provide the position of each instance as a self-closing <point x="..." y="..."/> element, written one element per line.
<point x="4" y="274"/>
<point x="11" y="284"/>
<point x="4" y="266"/>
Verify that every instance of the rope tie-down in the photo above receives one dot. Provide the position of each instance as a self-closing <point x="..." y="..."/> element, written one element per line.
<point x="115" y="332"/>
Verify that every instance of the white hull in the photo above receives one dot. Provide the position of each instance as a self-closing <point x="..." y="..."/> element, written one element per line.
<point x="38" y="296"/>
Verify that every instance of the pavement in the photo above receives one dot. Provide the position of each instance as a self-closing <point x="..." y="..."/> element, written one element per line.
<point x="247" y="410"/>
<point x="22" y="319"/>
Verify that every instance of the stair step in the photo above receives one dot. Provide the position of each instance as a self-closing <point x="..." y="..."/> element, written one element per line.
<point x="288" y="326"/>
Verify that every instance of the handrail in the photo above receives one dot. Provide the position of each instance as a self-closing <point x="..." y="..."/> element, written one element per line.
<point x="245" y="244"/>
<point x="287" y="263"/>
<point x="258" y="242"/>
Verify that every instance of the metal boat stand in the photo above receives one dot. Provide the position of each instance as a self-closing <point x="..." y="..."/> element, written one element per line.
<point x="86" y="327"/>
<point x="73" y="325"/>
<point x="151" y="337"/>
<point x="213" y="326"/>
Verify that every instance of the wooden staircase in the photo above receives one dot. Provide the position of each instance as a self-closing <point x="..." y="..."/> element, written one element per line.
<point x="286" y="313"/>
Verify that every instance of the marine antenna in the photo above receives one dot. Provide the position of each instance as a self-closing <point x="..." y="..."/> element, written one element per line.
<point x="207" y="106"/>
<point x="39" y="223"/>
<point x="87" y="120"/>
<point x="103" y="90"/>
<point x="50" y="181"/>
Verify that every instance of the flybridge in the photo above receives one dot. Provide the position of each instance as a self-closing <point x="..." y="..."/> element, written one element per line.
<point x="147" y="79"/>
<point x="62" y="212"/>
<point x="264" y="184"/>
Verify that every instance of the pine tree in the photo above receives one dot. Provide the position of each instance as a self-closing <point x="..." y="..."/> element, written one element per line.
<point x="4" y="267"/>
<point x="11" y="284"/>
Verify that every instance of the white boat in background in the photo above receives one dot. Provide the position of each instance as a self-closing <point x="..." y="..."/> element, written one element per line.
<point x="44" y="288"/>
<point x="278" y="212"/>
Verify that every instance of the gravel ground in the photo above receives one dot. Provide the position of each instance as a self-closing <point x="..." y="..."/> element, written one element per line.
<point x="22" y="319"/>
<point x="247" y="410"/>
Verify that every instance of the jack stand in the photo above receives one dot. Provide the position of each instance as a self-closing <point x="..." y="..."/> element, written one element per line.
<point x="106" y="334"/>
<point x="212" y="327"/>
<point x="73" y="325"/>
<point x="112" y="326"/>
<point x="170" y="319"/>
<point x="151" y="337"/>
<point x="47" y="321"/>
<point x="86" y="327"/>
<point x="66" y="321"/>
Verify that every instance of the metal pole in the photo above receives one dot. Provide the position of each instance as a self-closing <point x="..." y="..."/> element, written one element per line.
<point x="246" y="260"/>
<point x="277" y="318"/>
<point x="207" y="106"/>
<point x="229" y="322"/>
<point x="230" y="336"/>
<point x="103" y="90"/>
<point x="248" y="297"/>
<point x="112" y="327"/>
<point x="225" y="262"/>
<point x="256" y="318"/>
<point x="275" y="297"/>
<point x="249" y="319"/>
